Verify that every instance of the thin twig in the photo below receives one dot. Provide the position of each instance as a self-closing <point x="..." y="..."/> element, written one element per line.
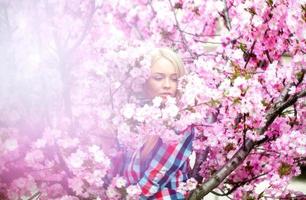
<point x="226" y="15"/>
<point x="244" y="130"/>
<point x="302" y="196"/>
<point x="197" y="35"/>
<point x="180" y="30"/>
<point x="268" y="56"/>
<point x="86" y="28"/>
<point x="35" y="196"/>
<point x="200" y="158"/>
<point x="249" y="55"/>
<point x="241" y="183"/>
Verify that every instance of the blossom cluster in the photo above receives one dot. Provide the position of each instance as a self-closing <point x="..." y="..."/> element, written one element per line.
<point x="72" y="95"/>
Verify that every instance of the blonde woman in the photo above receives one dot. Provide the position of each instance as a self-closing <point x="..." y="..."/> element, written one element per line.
<point x="158" y="167"/>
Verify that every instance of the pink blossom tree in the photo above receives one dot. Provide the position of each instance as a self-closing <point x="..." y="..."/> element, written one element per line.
<point x="72" y="74"/>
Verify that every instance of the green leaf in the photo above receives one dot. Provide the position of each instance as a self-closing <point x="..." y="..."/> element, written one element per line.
<point x="243" y="47"/>
<point x="284" y="169"/>
<point x="214" y="102"/>
<point x="229" y="147"/>
<point x="261" y="195"/>
<point x="299" y="75"/>
<point x="269" y="2"/>
<point x="236" y="100"/>
<point x="264" y="103"/>
<point x="304" y="12"/>
<point x="252" y="11"/>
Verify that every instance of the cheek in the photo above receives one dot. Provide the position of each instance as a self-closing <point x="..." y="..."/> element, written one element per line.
<point x="154" y="85"/>
<point x="152" y="88"/>
<point x="174" y="87"/>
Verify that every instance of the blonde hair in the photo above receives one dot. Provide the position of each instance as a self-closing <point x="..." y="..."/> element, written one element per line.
<point x="175" y="59"/>
<point x="170" y="55"/>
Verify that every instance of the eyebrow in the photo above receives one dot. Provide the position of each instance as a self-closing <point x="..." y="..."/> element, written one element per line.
<point x="158" y="73"/>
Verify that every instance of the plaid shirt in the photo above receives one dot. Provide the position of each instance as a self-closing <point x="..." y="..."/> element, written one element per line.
<point x="159" y="176"/>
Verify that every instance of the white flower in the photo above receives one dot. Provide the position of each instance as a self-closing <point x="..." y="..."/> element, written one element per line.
<point x="170" y="100"/>
<point x="182" y="188"/>
<point x="237" y="54"/>
<point x="77" y="159"/>
<point x="99" y="156"/>
<point x="100" y="70"/>
<point x="40" y="143"/>
<point x="10" y="144"/>
<point x="193" y="88"/>
<point x="105" y="114"/>
<point x="292" y="90"/>
<point x="121" y="182"/>
<point x="299" y="57"/>
<point x="133" y="190"/>
<point x="246" y="106"/>
<point x="34" y="156"/>
<point x="240" y="81"/>
<point x="213" y="6"/>
<point x="95" y="178"/>
<point x="141" y="113"/>
<point x="116" y="84"/>
<point x="191" y="184"/>
<point x="157" y="101"/>
<point x="128" y="110"/>
<point x="68" y="142"/>
<point x="257" y="20"/>
<point x="112" y="193"/>
<point x="124" y="128"/>
<point x="98" y="3"/>
<point x="301" y="150"/>
<point x="170" y="136"/>
<point x="225" y="84"/>
<point x="93" y="148"/>
<point x="170" y="111"/>
<point x="234" y="92"/>
<point x="135" y="72"/>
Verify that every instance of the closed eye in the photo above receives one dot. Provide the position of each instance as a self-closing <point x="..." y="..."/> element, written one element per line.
<point x="158" y="78"/>
<point x="174" y="78"/>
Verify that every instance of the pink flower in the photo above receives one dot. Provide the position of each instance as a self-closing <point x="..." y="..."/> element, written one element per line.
<point x="133" y="190"/>
<point x="77" y="185"/>
<point x="120" y="182"/>
<point x="292" y="90"/>
<point x="77" y="159"/>
<point x="191" y="184"/>
<point x="157" y="101"/>
<point x="10" y="144"/>
<point x="112" y="193"/>
<point x="34" y="157"/>
<point x="128" y="110"/>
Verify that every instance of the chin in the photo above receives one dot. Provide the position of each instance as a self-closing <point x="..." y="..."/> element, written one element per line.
<point x="164" y="97"/>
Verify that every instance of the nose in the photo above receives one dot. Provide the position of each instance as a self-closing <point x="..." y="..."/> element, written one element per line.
<point x="166" y="83"/>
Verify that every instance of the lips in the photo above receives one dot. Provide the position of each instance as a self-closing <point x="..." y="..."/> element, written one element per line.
<point x="166" y="94"/>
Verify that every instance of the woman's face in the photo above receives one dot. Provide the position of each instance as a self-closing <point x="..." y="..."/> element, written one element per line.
<point x="163" y="79"/>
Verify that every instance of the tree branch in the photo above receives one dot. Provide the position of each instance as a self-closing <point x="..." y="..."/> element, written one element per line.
<point x="35" y="196"/>
<point x="86" y="27"/>
<point x="200" y="158"/>
<point x="249" y="55"/>
<point x="226" y="15"/>
<point x="64" y="57"/>
<point x="244" y="150"/>
<point x="184" y="41"/>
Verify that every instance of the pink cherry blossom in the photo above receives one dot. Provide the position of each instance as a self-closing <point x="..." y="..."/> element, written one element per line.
<point x="72" y="92"/>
